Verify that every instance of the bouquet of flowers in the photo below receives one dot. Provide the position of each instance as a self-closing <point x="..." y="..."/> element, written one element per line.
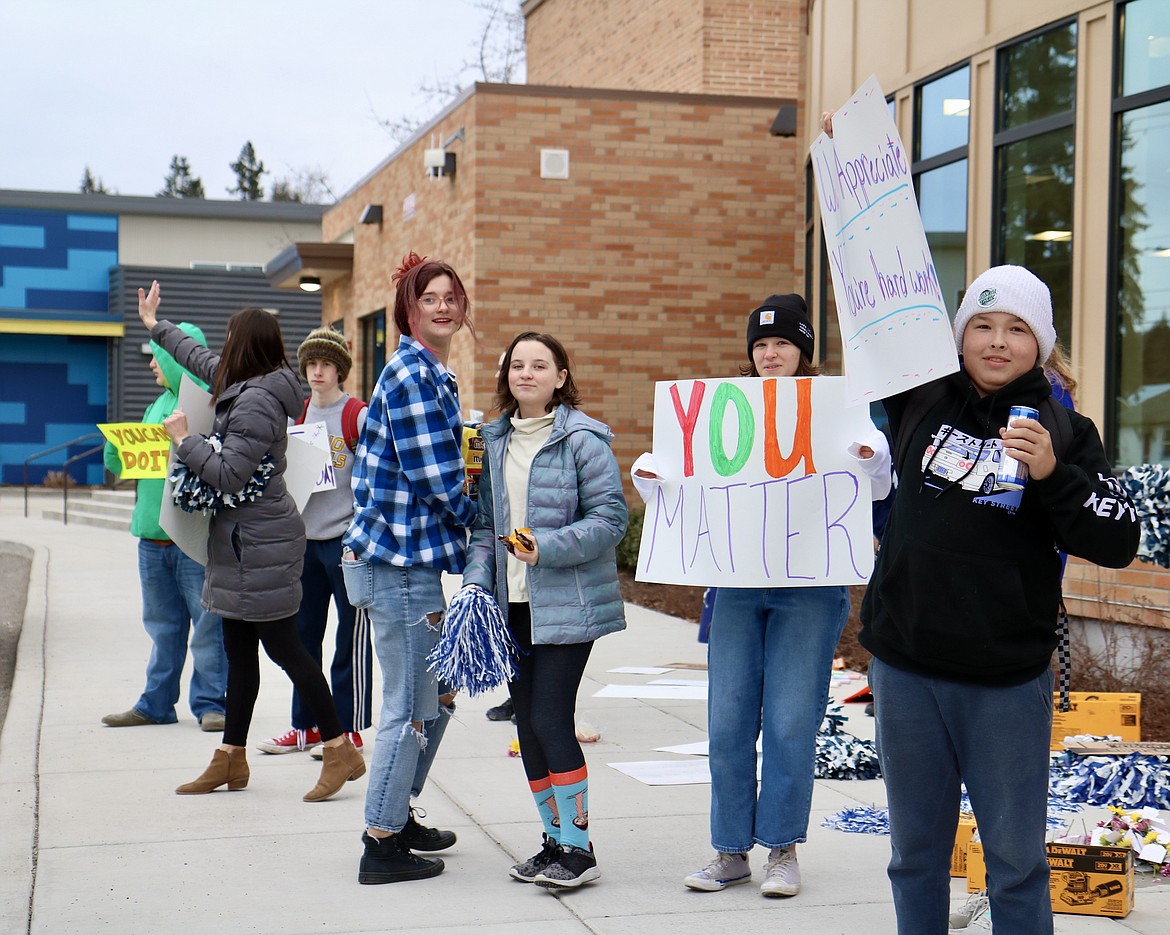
<point x="1144" y="831"/>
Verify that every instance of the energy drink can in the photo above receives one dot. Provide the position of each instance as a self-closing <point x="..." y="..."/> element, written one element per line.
<point x="1013" y="474"/>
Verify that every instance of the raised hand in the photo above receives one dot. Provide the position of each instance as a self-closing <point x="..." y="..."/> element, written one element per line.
<point x="148" y="305"/>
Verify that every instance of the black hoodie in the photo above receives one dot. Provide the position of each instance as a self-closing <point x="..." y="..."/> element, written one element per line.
<point x="967" y="582"/>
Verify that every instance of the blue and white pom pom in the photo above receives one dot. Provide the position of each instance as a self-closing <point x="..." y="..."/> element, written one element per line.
<point x="1149" y="486"/>
<point x="476" y="651"/>
<point x="840" y="755"/>
<point x="193" y="494"/>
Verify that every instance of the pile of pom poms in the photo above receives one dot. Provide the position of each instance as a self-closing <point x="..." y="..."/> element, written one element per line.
<point x="192" y="494"/>
<point x="1149" y="486"/>
<point x="1140" y="780"/>
<point x="476" y="651"/>
<point x="876" y="820"/>
<point x="840" y="755"/>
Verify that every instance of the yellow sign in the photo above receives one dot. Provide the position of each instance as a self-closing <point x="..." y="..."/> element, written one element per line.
<point x="143" y="448"/>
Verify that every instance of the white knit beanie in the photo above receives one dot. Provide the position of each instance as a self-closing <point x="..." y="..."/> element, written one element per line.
<point x="1018" y="292"/>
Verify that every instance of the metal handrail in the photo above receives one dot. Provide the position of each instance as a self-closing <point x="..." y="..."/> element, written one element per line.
<point x="56" y="448"/>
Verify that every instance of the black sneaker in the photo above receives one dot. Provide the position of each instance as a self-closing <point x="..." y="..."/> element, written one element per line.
<point x="502" y="712"/>
<point x="389" y="860"/>
<point x="527" y="871"/>
<point x="572" y="867"/>
<point x="421" y="838"/>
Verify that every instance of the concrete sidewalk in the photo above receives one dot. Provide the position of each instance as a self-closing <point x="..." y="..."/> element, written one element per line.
<point x="94" y="839"/>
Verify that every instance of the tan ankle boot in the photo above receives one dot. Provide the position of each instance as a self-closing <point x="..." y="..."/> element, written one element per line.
<point x="225" y="767"/>
<point x="339" y="765"/>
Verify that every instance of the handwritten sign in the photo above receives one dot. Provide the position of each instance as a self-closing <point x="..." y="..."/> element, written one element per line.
<point x="758" y="487"/>
<point x="316" y="435"/>
<point x="894" y="324"/>
<point x="143" y="448"/>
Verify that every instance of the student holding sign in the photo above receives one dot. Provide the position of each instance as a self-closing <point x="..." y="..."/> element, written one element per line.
<point x="171" y="585"/>
<point x="549" y="473"/>
<point x="325" y="362"/>
<point x="256" y="539"/>
<point x="769" y="655"/>
<point x="961" y="612"/>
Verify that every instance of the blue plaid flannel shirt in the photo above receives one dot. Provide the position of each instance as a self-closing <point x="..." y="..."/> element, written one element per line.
<point x="410" y="505"/>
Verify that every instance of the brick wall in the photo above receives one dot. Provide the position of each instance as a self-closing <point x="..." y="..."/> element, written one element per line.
<point x="747" y="47"/>
<point x="679" y="215"/>
<point x="1136" y="594"/>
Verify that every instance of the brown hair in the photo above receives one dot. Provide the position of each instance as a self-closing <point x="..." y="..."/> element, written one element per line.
<point x="1059" y="366"/>
<point x="566" y="395"/>
<point x="411" y="280"/>
<point x="253" y="347"/>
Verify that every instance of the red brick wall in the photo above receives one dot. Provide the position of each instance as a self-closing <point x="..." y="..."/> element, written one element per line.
<point x="707" y="46"/>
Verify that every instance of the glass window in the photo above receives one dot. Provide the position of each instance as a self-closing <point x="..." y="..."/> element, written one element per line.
<point x="1143" y="290"/>
<point x="942" y="201"/>
<point x="1038" y="77"/>
<point x="1145" y="50"/>
<point x="944" y="106"/>
<point x="1036" y="186"/>
<point x="373" y="329"/>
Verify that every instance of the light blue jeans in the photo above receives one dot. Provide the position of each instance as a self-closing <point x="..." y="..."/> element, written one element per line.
<point x="171" y="585"/>
<point x="769" y="657"/>
<point x="934" y="734"/>
<point x="398" y="601"/>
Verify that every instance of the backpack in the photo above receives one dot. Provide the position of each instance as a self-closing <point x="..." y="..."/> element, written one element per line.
<point x="349" y="420"/>
<point x="1053" y="416"/>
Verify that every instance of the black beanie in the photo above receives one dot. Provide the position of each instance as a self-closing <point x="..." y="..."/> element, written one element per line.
<point x="782" y="316"/>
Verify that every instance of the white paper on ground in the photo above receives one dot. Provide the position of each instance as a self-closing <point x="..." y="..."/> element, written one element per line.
<point x="638" y="670"/>
<point x="682" y="692"/>
<point x="702" y="682"/>
<point x="667" y="772"/>
<point x="698" y="748"/>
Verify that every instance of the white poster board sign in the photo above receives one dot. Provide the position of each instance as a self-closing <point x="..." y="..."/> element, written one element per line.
<point x="758" y="487"/>
<point x="894" y="326"/>
<point x="309" y="462"/>
<point x="188" y="530"/>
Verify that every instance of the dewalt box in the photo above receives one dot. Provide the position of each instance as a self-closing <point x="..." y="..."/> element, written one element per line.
<point x="1099" y="714"/>
<point x="963" y="834"/>
<point x="1084" y="880"/>
<point x="1092" y="881"/>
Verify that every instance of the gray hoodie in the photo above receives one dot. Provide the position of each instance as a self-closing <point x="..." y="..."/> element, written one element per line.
<point x="254" y="550"/>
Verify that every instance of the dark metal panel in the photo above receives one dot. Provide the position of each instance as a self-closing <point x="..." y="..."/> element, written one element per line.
<point x="206" y="298"/>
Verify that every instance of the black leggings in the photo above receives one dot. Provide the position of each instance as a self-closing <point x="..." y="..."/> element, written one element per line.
<point x="544" y="694"/>
<point x="241" y="639"/>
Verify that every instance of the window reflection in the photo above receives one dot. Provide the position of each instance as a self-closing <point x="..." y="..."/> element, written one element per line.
<point x="944" y="106"/>
<point x="1146" y="47"/>
<point x="1038" y="77"/>
<point x="373" y="350"/>
<point x="942" y="200"/>
<point x="1143" y="294"/>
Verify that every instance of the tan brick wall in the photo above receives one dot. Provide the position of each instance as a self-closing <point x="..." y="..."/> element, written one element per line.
<point x="1137" y="594"/>
<point x="678" y="217"/>
<point x="749" y="47"/>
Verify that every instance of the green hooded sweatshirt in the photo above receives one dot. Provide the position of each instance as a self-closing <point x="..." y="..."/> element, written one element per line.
<point x="144" y="522"/>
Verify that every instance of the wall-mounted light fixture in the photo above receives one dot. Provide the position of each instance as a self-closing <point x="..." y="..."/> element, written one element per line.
<point x="439" y="163"/>
<point x="310" y="284"/>
<point x="371" y="215"/>
<point x="785" y="122"/>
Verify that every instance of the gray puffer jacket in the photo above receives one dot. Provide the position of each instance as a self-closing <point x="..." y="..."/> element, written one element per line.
<point x="576" y="511"/>
<point x="255" y="550"/>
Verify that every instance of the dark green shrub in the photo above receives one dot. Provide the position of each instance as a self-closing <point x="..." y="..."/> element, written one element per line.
<point x="627" y="549"/>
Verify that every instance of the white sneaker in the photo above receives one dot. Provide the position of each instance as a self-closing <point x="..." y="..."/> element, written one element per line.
<point x="973" y="915"/>
<point x="781" y="873"/>
<point x="724" y="871"/>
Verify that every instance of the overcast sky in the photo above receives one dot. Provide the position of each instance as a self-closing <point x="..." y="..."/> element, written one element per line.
<point x="123" y="85"/>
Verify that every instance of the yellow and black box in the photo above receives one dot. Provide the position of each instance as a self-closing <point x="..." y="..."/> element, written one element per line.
<point x="1099" y="714"/>
<point x="1083" y="880"/>
<point x="962" y="839"/>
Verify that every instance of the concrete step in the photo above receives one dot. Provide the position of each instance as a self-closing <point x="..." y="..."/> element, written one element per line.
<point x="95" y="508"/>
<point x="82" y="515"/>
<point x="101" y="495"/>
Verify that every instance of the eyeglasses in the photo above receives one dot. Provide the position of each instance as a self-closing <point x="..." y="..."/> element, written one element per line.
<point x="430" y="301"/>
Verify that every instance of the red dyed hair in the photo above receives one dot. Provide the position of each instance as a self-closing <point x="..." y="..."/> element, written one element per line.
<point x="411" y="280"/>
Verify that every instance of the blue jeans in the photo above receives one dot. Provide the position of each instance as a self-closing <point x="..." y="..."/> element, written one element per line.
<point x="171" y="586"/>
<point x="351" y="673"/>
<point x="934" y="734"/>
<point x="769" y="657"/>
<point x="398" y="601"/>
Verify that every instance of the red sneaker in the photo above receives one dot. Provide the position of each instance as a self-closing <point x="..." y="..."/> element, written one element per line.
<point x="291" y="741"/>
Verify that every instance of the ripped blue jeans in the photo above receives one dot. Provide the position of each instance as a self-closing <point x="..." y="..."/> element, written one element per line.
<point x="403" y="602"/>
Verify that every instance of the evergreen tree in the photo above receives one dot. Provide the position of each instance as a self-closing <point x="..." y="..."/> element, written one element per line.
<point x="92" y="186"/>
<point x="248" y="170"/>
<point x="180" y="183"/>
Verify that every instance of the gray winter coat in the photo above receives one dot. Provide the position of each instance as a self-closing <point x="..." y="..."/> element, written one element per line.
<point x="577" y="513"/>
<point x="255" y="550"/>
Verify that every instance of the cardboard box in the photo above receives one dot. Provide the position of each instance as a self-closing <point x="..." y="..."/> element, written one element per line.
<point x="1097" y="713"/>
<point x="1084" y="880"/>
<point x="962" y="839"/>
